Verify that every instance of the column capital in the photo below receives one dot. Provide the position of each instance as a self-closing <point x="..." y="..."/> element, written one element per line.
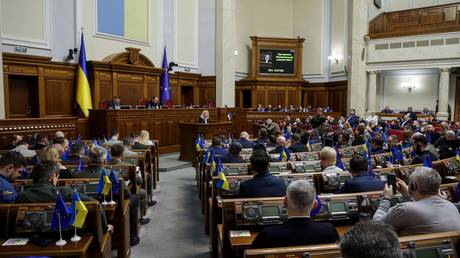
<point x="445" y="69"/>
<point x="372" y="71"/>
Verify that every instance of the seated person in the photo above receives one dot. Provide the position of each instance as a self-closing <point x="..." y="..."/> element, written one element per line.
<point x="419" y="149"/>
<point x="115" y="103"/>
<point x="271" y="127"/>
<point x="217" y="148"/>
<point x="431" y="134"/>
<point x="144" y="138"/>
<point x="370" y="240"/>
<point x="97" y="160"/>
<point x="296" y="146"/>
<point x="343" y="140"/>
<point x="447" y="145"/>
<point x="406" y="141"/>
<point x="377" y="144"/>
<point x="11" y="164"/>
<point x="233" y="154"/>
<point x="410" y="114"/>
<point x="387" y="110"/>
<point x="263" y="137"/>
<point x="137" y="145"/>
<point x="77" y="153"/>
<point x="63" y="142"/>
<point x="280" y="143"/>
<point x="314" y="137"/>
<point x="44" y="188"/>
<point x="328" y="161"/>
<point x="244" y="140"/>
<point x="361" y="180"/>
<point x="204" y="117"/>
<point x="42" y="142"/>
<point x="117" y="156"/>
<point x="23" y="148"/>
<point x="295" y="128"/>
<point x="154" y="103"/>
<point x="128" y="143"/>
<point x="298" y="229"/>
<point x="263" y="184"/>
<point x="114" y="139"/>
<point x="393" y="141"/>
<point x="429" y="213"/>
<point x="13" y="142"/>
<point x="52" y="153"/>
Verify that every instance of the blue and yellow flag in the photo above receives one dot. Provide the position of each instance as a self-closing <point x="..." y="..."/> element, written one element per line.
<point x="104" y="184"/>
<point x="222" y="182"/>
<point x="61" y="215"/>
<point x="338" y="160"/>
<point x="285" y="155"/>
<point x="316" y="207"/>
<point x="83" y="90"/>
<point x="81" y="166"/>
<point x="78" y="211"/>
<point x="115" y="183"/>
<point x="457" y="156"/>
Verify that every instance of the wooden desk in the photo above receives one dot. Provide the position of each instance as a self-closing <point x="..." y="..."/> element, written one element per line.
<point x="190" y="131"/>
<point x="79" y="249"/>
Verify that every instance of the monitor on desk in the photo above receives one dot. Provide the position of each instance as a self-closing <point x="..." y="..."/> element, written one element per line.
<point x="37" y="221"/>
<point x="338" y="207"/>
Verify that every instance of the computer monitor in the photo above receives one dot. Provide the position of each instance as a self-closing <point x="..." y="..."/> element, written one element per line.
<point x="91" y="188"/>
<point x="270" y="212"/>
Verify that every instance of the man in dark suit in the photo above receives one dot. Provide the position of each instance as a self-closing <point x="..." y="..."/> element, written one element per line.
<point x="410" y="114"/>
<point x="296" y="146"/>
<point x="154" y="103"/>
<point x="13" y="142"/>
<point x="319" y="119"/>
<point x="115" y="103"/>
<point x="217" y="148"/>
<point x="447" y="145"/>
<point x="419" y="150"/>
<point x="431" y="134"/>
<point x="76" y="155"/>
<point x="352" y="118"/>
<point x="244" y="140"/>
<point x="263" y="184"/>
<point x="204" y="117"/>
<point x="233" y="155"/>
<point x="362" y="181"/>
<point x="42" y="142"/>
<point x="377" y="144"/>
<point x="298" y="229"/>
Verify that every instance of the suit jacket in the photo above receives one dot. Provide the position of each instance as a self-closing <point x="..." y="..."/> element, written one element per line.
<point x="295" y="232"/>
<point x="298" y="147"/>
<point x="246" y="143"/>
<point x="219" y="151"/>
<point x="74" y="160"/>
<point x="230" y="158"/>
<point x="139" y="146"/>
<point x="419" y="157"/>
<point x="150" y="104"/>
<point x="263" y="184"/>
<point x="446" y="148"/>
<point x="353" y="120"/>
<point x="202" y="120"/>
<point x="364" y="182"/>
<point x="113" y="105"/>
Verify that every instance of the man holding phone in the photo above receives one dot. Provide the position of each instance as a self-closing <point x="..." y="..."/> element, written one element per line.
<point x="429" y="213"/>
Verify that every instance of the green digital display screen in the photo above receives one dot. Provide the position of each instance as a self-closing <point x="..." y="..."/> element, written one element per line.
<point x="426" y="253"/>
<point x="270" y="211"/>
<point x="338" y="207"/>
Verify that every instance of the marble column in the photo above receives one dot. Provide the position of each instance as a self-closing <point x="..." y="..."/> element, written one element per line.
<point x="357" y="76"/>
<point x="225" y="49"/>
<point x="372" y="92"/>
<point x="443" y="94"/>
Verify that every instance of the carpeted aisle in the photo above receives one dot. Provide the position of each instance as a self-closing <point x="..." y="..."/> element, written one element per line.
<point x="176" y="228"/>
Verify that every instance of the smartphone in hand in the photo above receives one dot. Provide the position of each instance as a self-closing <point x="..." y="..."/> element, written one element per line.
<point x="391" y="180"/>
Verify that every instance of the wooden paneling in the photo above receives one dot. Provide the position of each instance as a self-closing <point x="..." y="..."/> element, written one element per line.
<point x="332" y="94"/>
<point x="37" y="87"/>
<point x="428" y="20"/>
<point x="31" y="126"/>
<point x="207" y="90"/>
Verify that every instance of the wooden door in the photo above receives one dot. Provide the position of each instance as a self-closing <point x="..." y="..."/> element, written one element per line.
<point x="23" y="96"/>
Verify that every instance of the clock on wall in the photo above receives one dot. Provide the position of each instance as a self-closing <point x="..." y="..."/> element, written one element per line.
<point x="378" y="3"/>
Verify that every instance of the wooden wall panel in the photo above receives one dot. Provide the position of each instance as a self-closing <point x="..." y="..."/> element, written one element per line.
<point x="59" y="94"/>
<point x="428" y="20"/>
<point x="130" y="92"/>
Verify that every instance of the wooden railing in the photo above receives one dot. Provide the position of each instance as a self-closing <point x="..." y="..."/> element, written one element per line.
<point x="428" y="20"/>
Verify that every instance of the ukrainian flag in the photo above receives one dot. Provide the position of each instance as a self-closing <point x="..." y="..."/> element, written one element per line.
<point x="78" y="211"/>
<point x="83" y="90"/>
<point x="104" y="184"/>
<point x="222" y="182"/>
<point x="457" y="156"/>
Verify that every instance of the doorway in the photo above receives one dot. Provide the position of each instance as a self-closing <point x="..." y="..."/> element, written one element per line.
<point x="187" y="95"/>
<point x="247" y="98"/>
<point x="23" y="96"/>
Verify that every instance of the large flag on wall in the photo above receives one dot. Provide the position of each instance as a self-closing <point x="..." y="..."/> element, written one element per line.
<point x="165" y="91"/>
<point x="83" y="90"/>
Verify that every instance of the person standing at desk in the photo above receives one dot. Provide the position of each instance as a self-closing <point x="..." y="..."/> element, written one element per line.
<point x="115" y="103"/>
<point x="154" y="103"/>
<point x="204" y="117"/>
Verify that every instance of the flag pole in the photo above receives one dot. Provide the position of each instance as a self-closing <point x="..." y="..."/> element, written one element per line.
<point x="75" y="237"/>
<point x="111" y="197"/>
<point x="60" y="242"/>
<point x="105" y="201"/>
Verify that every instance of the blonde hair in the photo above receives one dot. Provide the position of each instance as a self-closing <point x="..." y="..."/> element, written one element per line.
<point x="50" y="153"/>
<point x="328" y="155"/>
<point x="144" y="137"/>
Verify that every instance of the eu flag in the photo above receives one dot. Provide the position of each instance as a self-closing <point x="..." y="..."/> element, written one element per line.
<point x="115" y="183"/>
<point x="165" y="91"/>
<point x="62" y="213"/>
<point x="427" y="161"/>
<point x="316" y="207"/>
<point x="338" y="161"/>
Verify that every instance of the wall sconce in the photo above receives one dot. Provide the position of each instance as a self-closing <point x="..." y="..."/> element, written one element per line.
<point x="409" y="87"/>
<point x="333" y="58"/>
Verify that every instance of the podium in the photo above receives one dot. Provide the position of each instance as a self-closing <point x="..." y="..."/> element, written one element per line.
<point x="189" y="132"/>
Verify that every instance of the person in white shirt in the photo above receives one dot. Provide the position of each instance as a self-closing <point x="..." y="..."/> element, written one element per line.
<point x="23" y="149"/>
<point x="372" y="119"/>
<point x="328" y="160"/>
